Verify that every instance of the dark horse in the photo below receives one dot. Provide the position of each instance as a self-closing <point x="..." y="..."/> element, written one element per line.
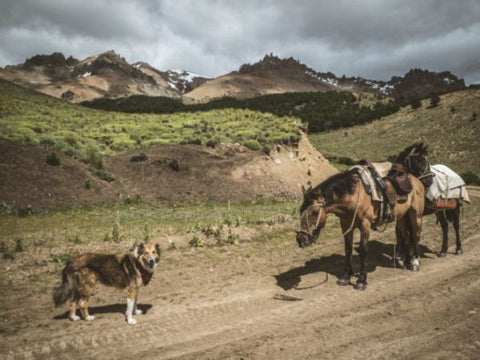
<point x="345" y="196"/>
<point x="414" y="158"/>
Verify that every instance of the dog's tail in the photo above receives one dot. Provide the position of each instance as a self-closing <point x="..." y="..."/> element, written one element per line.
<point x="67" y="289"/>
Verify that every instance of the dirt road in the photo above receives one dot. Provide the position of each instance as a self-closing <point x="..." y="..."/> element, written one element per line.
<point x="261" y="300"/>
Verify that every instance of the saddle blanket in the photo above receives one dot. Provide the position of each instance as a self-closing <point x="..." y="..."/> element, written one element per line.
<point x="447" y="184"/>
<point x="369" y="182"/>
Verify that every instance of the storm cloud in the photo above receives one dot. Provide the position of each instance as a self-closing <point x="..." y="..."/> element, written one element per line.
<point x="375" y="39"/>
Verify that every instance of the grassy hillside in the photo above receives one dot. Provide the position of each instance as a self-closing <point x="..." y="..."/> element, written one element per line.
<point x="33" y="118"/>
<point x="320" y="110"/>
<point x="451" y="129"/>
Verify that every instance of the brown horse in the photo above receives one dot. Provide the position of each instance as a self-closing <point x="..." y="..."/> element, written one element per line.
<point x="345" y="196"/>
<point x="414" y="158"/>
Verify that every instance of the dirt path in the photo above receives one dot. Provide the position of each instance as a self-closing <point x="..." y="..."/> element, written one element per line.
<point x="261" y="300"/>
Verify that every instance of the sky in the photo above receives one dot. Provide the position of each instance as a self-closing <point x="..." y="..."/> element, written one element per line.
<point x="373" y="39"/>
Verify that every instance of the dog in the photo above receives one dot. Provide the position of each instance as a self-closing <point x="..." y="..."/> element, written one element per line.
<point x="123" y="271"/>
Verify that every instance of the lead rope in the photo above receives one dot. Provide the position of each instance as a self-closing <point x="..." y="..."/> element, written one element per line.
<point x="354" y="214"/>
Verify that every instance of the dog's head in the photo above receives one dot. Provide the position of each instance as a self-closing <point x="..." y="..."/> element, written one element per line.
<point x="148" y="255"/>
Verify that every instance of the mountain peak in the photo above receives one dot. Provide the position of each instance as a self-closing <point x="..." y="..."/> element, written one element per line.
<point x="272" y="62"/>
<point x="54" y="59"/>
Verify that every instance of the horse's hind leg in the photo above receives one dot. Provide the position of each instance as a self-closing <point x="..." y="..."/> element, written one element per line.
<point x="415" y="222"/>
<point x="402" y="238"/>
<point x="442" y="219"/>
<point x="456" y="225"/>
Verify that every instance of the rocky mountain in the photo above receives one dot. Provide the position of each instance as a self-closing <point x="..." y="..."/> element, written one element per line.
<point x="104" y="75"/>
<point x="110" y="75"/>
<point x="273" y="75"/>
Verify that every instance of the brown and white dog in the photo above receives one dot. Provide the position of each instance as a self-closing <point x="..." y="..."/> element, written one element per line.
<point x="123" y="271"/>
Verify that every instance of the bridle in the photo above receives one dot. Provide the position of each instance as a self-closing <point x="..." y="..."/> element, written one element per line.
<point x="309" y="232"/>
<point x="422" y="173"/>
<point x="323" y="205"/>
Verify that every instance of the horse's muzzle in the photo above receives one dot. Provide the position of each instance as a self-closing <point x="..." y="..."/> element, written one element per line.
<point x="304" y="239"/>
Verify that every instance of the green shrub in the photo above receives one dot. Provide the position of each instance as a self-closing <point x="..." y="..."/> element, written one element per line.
<point x="103" y="174"/>
<point x="92" y="156"/>
<point x="62" y="259"/>
<point x="196" y="241"/>
<point x="252" y="145"/>
<point x="26" y="211"/>
<point x="267" y="149"/>
<point x="470" y="178"/>
<point x="53" y="159"/>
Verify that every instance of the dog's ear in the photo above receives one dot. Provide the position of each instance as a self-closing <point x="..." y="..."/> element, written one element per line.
<point x="134" y="250"/>
<point x="159" y="250"/>
<point x="140" y="249"/>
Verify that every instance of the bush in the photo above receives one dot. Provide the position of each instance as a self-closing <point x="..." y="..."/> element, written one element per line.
<point x="434" y="101"/>
<point x="93" y="157"/>
<point x="53" y="159"/>
<point x="267" y="149"/>
<point x="252" y="145"/>
<point x="416" y="103"/>
<point x="103" y="174"/>
<point x="26" y="211"/>
<point x="470" y="178"/>
<point x="196" y="241"/>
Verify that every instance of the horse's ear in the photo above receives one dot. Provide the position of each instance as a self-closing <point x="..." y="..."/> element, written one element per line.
<point x="305" y="190"/>
<point x="318" y="193"/>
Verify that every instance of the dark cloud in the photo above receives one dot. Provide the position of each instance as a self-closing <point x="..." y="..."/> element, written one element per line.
<point x="372" y="38"/>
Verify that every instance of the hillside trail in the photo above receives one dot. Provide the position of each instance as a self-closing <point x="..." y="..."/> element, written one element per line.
<point x="257" y="301"/>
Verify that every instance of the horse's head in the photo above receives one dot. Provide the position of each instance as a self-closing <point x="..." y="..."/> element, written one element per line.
<point x="414" y="158"/>
<point x="313" y="218"/>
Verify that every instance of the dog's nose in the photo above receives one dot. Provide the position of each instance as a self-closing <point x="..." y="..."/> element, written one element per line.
<point x="151" y="262"/>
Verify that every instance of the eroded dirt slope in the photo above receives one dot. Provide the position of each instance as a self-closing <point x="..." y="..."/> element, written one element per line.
<point x="170" y="174"/>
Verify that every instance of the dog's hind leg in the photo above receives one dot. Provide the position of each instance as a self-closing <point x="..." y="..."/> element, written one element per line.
<point x="73" y="309"/>
<point x="83" y="304"/>
<point x="86" y="288"/>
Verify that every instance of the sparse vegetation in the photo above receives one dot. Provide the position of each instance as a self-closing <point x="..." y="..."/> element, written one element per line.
<point x="320" y="110"/>
<point x="196" y="241"/>
<point x="452" y="138"/>
<point x="90" y="135"/>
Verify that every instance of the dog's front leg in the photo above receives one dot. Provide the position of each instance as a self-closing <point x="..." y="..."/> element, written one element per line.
<point x="131" y="304"/>
<point x="136" y="310"/>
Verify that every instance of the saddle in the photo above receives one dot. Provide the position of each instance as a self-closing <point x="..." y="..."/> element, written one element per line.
<point x="392" y="186"/>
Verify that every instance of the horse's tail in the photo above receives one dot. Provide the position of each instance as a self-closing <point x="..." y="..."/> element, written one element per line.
<point x="67" y="288"/>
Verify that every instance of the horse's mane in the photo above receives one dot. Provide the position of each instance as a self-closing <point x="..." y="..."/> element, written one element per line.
<point x="417" y="148"/>
<point x="335" y="186"/>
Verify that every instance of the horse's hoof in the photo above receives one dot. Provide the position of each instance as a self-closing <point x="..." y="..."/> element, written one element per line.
<point x="442" y="254"/>
<point x="343" y="281"/>
<point x="360" y="286"/>
<point x="459" y="252"/>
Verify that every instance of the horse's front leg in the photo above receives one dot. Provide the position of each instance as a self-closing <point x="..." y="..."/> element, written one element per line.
<point x="345" y="278"/>
<point x="364" y="236"/>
